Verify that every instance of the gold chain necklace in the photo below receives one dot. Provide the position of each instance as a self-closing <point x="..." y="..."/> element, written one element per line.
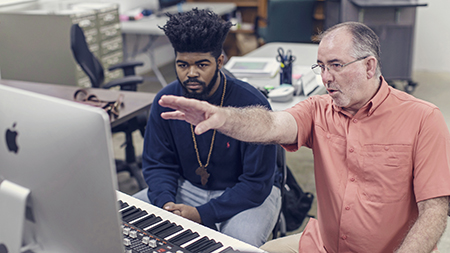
<point x="201" y="171"/>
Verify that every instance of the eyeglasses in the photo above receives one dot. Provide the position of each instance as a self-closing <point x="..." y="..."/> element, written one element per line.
<point x="318" y="69"/>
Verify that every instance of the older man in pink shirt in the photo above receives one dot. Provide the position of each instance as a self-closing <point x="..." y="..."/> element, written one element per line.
<point x="381" y="156"/>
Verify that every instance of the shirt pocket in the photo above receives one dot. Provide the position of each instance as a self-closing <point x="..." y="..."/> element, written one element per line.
<point x="387" y="172"/>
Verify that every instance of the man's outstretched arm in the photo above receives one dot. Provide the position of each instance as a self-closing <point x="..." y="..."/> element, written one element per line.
<point x="250" y="124"/>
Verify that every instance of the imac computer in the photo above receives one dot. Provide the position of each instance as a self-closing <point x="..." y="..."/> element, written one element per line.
<point x="57" y="176"/>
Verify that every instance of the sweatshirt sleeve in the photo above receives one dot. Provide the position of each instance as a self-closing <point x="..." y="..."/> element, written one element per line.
<point x="159" y="161"/>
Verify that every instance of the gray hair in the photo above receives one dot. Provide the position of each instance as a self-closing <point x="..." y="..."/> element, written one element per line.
<point x="365" y="41"/>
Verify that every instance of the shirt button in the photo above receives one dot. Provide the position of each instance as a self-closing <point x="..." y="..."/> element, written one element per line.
<point x="386" y="148"/>
<point x="347" y="208"/>
<point x="344" y="237"/>
<point x="351" y="150"/>
<point x="355" y="120"/>
<point x="352" y="179"/>
<point x="328" y="136"/>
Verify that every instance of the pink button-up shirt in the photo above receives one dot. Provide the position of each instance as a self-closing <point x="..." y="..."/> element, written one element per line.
<point x="371" y="169"/>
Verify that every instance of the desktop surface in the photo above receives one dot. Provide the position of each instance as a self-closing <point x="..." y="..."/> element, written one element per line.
<point x="134" y="102"/>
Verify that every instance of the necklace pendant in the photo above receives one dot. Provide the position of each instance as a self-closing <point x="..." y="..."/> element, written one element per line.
<point x="201" y="171"/>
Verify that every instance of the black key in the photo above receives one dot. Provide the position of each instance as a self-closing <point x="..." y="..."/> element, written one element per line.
<point x="161" y="226"/>
<point x="184" y="237"/>
<point x="169" y="231"/>
<point x="204" y="246"/>
<point x="197" y="243"/>
<point x="122" y="204"/>
<point x="135" y="215"/>
<point x="180" y="235"/>
<point x="212" y="248"/>
<point x="132" y="214"/>
<point x="129" y="211"/>
<point x="147" y="221"/>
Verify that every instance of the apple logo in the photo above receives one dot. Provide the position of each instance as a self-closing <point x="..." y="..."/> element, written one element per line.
<point x="11" y="139"/>
<point x="3" y="248"/>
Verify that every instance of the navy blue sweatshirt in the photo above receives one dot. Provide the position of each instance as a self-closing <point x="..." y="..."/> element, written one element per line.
<point x="244" y="170"/>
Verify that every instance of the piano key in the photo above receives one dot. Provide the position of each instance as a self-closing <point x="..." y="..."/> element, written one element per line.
<point x="147" y="221"/>
<point x="129" y="211"/>
<point x="197" y="230"/>
<point x="184" y="237"/>
<point x="200" y="247"/>
<point x="159" y="227"/>
<point x="122" y="204"/>
<point x="197" y="244"/>
<point x="187" y="238"/>
<point x="135" y="215"/>
<point x="213" y="248"/>
<point x="169" y="231"/>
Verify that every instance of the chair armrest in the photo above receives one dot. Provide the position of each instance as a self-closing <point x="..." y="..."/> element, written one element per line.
<point x="127" y="66"/>
<point x="125" y="83"/>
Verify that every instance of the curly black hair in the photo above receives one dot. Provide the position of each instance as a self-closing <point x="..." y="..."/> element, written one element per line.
<point x="197" y="31"/>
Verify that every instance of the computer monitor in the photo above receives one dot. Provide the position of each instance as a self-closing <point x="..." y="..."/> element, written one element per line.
<point x="56" y="158"/>
<point x="169" y="3"/>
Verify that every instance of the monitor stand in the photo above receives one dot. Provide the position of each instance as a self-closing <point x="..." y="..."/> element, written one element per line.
<point x="13" y="199"/>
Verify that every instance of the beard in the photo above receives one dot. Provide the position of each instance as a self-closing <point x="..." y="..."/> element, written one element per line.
<point x="204" y="94"/>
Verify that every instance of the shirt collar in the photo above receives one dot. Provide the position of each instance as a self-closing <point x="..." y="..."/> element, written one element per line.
<point x="378" y="99"/>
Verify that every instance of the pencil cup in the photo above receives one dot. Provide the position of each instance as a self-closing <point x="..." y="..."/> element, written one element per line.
<point x="286" y="74"/>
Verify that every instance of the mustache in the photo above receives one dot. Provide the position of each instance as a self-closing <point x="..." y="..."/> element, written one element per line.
<point x="194" y="80"/>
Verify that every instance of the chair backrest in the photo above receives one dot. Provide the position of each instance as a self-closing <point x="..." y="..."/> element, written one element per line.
<point x="290" y="20"/>
<point x="85" y="58"/>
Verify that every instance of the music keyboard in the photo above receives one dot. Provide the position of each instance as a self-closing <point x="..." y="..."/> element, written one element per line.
<point x="156" y="230"/>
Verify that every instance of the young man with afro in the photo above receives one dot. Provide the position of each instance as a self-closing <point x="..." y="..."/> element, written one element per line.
<point x="212" y="179"/>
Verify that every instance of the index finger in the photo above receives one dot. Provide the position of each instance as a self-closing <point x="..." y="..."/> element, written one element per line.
<point x="179" y="103"/>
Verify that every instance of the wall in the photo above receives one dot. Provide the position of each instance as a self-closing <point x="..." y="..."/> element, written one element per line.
<point x="431" y="44"/>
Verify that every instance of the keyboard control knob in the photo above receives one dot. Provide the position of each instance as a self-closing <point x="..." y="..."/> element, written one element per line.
<point x="145" y="239"/>
<point x="152" y="243"/>
<point x="126" y="231"/>
<point x="126" y="242"/>
<point x="133" y="234"/>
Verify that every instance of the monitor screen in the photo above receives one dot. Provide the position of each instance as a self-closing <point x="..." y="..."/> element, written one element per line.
<point x="169" y="3"/>
<point x="60" y="151"/>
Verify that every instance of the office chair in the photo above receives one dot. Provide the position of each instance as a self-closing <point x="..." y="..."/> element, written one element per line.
<point x="296" y="203"/>
<point x="94" y="70"/>
<point x="287" y="21"/>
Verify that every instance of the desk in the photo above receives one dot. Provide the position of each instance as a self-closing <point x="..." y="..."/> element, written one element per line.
<point x="134" y="102"/>
<point x="148" y="26"/>
<point x="306" y="56"/>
